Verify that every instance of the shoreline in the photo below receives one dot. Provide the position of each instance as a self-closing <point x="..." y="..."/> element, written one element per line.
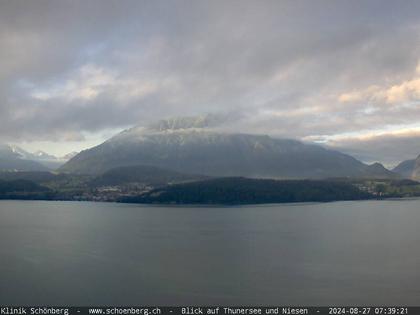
<point x="157" y="204"/>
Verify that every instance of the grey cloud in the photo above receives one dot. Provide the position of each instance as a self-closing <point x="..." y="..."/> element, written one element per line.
<point x="280" y="65"/>
<point x="391" y="149"/>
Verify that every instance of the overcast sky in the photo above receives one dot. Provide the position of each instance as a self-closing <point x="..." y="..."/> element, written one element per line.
<point x="341" y="73"/>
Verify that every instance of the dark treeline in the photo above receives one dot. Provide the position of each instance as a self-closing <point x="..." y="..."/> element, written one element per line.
<point x="20" y="185"/>
<point x="144" y="184"/>
<point x="251" y="191"/>
<point x="23" y="189"/>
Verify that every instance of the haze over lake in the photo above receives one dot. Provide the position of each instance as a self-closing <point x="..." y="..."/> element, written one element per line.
<point x="348" y="253"/>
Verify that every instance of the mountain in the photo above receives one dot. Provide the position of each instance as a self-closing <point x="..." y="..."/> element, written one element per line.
<point x="11" y="152"/>
<point x="416" y="172"/>
<point x="142" y="174"/>
<point x="51" y="161"/>
<point x="48" y="160"/>
<point x="13" y="158"/>
<point x="377" y="170"/>
<point x="20" y="165"/>
<point x="405" y="168"/>
<point x="409" y="169"/>
<point x="194" y="146"/>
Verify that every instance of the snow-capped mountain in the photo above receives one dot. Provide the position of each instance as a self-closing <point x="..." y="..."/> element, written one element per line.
<point x="192" y="145"/>
<point x="11" y="151"/>
<point x="14" y="158"/>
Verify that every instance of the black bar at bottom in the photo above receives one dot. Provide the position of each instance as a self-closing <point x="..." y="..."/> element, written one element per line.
<point x="209" y="310"/>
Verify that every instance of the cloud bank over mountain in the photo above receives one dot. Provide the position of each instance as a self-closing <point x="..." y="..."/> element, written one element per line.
<point x="341" y="73"/>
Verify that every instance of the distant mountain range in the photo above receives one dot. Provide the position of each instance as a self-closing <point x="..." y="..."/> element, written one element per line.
<point x="193" y="146"/>
<point x="14" y="158"/>
<point x="409" y="169"/>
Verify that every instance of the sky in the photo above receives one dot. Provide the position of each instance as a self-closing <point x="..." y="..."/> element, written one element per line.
<point x="345" y="74"/>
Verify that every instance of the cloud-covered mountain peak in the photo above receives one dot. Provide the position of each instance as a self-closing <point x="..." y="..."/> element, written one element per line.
<point x="13" y="151"/>
<point x="188" y="122"/>
<point x="193" y="146"/>
<point x="177" y="129"/>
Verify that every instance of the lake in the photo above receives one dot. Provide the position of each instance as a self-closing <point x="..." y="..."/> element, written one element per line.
<point x="81" y="253"/>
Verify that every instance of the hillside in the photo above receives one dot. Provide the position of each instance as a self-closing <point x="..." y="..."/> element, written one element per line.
<point x="405" y="168"/>
<point x="22" y="189"/>
<point x="141" y="174"/>
<point x="409" y="169"/>
<point x="416" y="171"/>
<point x="37" y="177"/>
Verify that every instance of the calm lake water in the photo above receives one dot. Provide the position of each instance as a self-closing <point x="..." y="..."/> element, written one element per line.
<point x="79" y="253"/>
